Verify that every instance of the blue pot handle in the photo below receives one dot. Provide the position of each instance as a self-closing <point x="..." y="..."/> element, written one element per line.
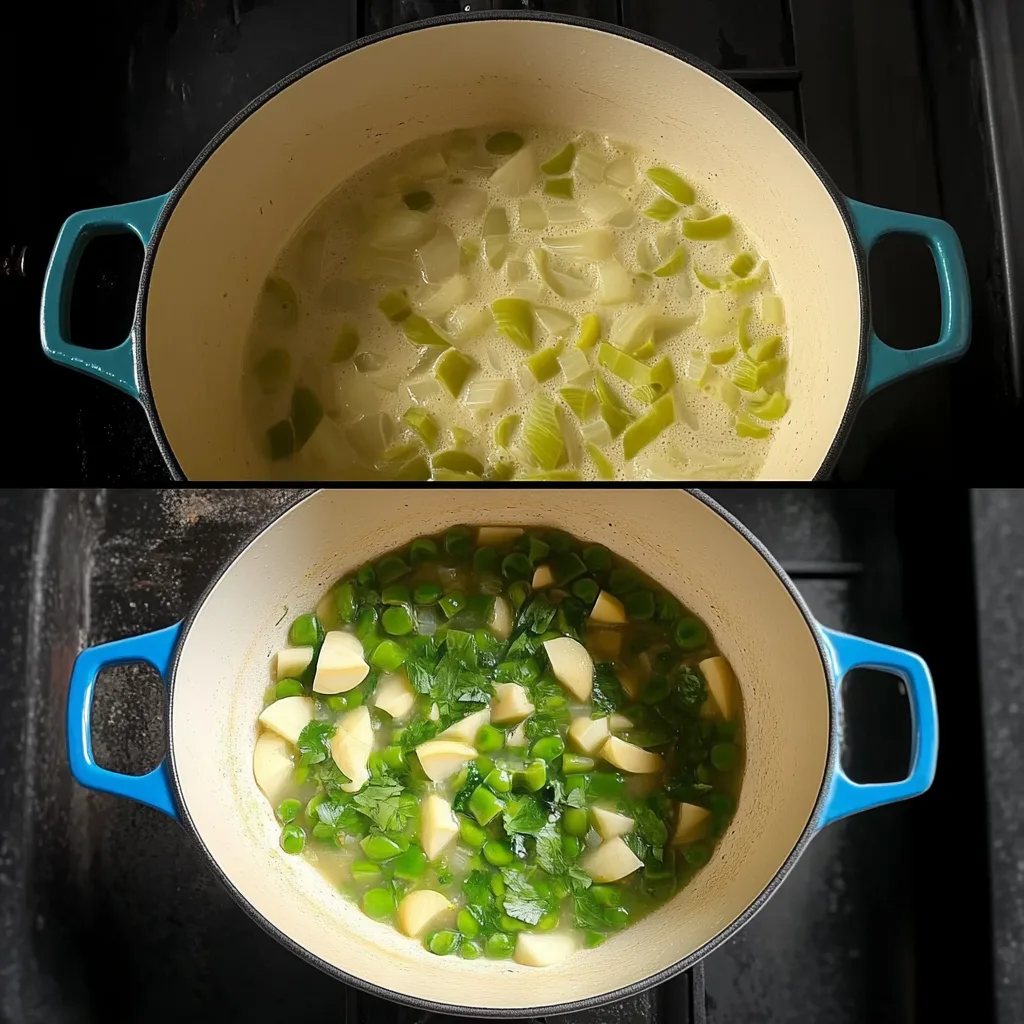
<point x="849" y="652"/>
<point x="154" y="788"/>
<point x="885" y="364"/>
<point x="114" y="365"/>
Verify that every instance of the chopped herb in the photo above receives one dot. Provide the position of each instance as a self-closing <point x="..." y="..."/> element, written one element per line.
<point x="607" y="693"/>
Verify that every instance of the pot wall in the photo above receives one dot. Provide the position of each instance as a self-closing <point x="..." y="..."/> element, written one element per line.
<point x="256" y="188"/>
<point x="223" y="669"/>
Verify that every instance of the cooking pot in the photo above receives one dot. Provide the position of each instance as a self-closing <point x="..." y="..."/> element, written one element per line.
<point x="789" y="666"/>
<point x="211" y="241"/>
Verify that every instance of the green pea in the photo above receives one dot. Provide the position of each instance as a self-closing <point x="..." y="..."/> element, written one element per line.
<point x="499" y="946"/>
<point x="697" y="855"/>
<point x="593" y="939"/>
<point x="364" y="871"/>
<point x="607" y="895"/>
<point x="467" y="924"/>
<point x="469" y="951"/>
<point x="690" y="633"/>
<point x="639" y="606"/>
<point x="499" y="780"/>
<point x="516" y="568"/>
<point x="573" y="764"/>
<point x="388" y="656"/>
<point x="366" y="577"/>
<point x="345" y="601"/>
<point x="489" y="739"/>
<point x="487" y="561"/>
<point x="293" y="838"/>
<point x="397" y="620"/>
<point x="411" y="864"/>
<point x="616" y="917"/>
<point x="426" y="593"/>
<point x="510" y="924"/>
<point x="288" y="810"/>
<point x="422" y="550"/>
<point x="313" y="804"/>
<point x="471" y="833"/>
<point x="287" y="688"/>
<point x="397" y="593"/>
<point x="458" y="542"/>
<point x="484" y="806"/>
<point x="453" y="603"/>
<point x="576" y="782"/>
<point x="724" y="756"/>
<point x="548" y="748"/>
<point x="324" y="833"/>
<point x="586" y="590"/>
<point x="572" y="847"/>
<point x="497" y="885"/>
<point x="497" y="853"/>
<point x="378" y="903"/>
<point x="534" y="776"/>
<point x="575" y="821"/>
<point x="548" y="922"/>
<point x="305" y="631"/>
<point x="380" y="848"/>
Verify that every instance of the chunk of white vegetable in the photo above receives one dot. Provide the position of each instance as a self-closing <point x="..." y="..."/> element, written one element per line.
<point x="572" y="666"/>
<point x="536" y="949"/>
<point x="516" y="176"/>
<point x="721" y="682"/>
<point x="500" y="622"/>
<point x="611" y="861"/>
<point x="610" y="824"/>
<point x="616" y="284"/>
<point x="435" y="713"/>
<point x="619" y="723"/>
<point x="517" y="737"/>
<point x="631" y="758"/>
<point x="288" y="716"/>
<point x="690" y="823"/>
<point x="608" y="609"/>
<point x="455" y="291"/>
<point x="272" y="766"/>
<point x="542" y="577"/>
<point x="510" y="704"/>
<point x="419" y="910"/>
<point x="341" y="666"/>
<point x="588" y="735"/>
<point x="293" y="661"/>
<point x="465" y="729"/>
<point x="441" y="759"/>
<point x="438" y="826"/>
<point x="498" y="535"/>
<point x="717" y="316"/>
<point x="350" y="747"/>
<point x="394" y="695"/>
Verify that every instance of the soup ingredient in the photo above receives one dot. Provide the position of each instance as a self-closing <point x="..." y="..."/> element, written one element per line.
<point x="292" y="661"/>
<point x="510" y="775"/>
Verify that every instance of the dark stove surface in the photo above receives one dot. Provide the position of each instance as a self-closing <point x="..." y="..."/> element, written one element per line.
<point x="889" y="95"/>
<point x="108" y="911"/>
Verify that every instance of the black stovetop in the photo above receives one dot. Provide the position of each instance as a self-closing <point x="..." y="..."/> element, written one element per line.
<point x="111" y="102"/>
<point x="108" y="912"/>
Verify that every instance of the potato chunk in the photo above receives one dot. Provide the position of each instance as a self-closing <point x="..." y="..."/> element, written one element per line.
<point x="419" y="910"/>
<point x="572" y="666"/>
<point x="631" y="758"/>
<point x="288" y="716"/>
<point x="511" y="704"/>
<point x="441" y="759"/>
<point x="608" y="609"/>
<point x="611" y="861"/>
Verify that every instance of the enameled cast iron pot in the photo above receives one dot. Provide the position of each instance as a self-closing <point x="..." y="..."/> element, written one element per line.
<point x="211" y="241"/>
<point x="790" y="670"/>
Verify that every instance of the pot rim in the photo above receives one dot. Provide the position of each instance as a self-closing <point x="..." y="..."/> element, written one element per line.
<point x="860" y="259"/>
<point x="578" y="1005"/>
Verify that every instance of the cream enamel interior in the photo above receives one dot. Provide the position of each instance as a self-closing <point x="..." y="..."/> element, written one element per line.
<point x="267" y="176"/>
<point x="686" y="546"/>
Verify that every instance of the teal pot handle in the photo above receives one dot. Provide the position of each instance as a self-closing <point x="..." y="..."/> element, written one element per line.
<point x="885" y="364"/>
<point x="846" y="653"/>
<point x="114" y="365"/>
<point x="155" y="649"/>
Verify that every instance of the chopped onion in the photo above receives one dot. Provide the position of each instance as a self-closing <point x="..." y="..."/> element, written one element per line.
<point x="496" y="250"/>
<point x="516" y="269"/>
<point x="440" y="257"/>
<point x="616" y="285"/>
<point x="378" y="267"/>
<point x="496" y="222"/>
<point x="386" y="380"/>
<point x="454" y="291"/>
<point x="604" y="205"/>
<point x="423" y="388"/>
<point x="566" y="285"/>
<point x="717" y="317"/>
<point x="666" y="242"/>
<point x="620" y="172"/>
<point x="366" y="362"/>
<point x="556" y="322"/>
<point x="430" y="165"/>
<point x="532" y="216"/>
<point x="532" y="291"/>
<point x="596" y="431"/>
<point x="573" y="362"/>
<point x="645" y="256"/>
<point x="697" y="369"/>
<point x="484" y="396"/>
<point x="589" y="165"/>
<point x="773" y="310"/>
<point x="564" y="213"/>
<point x="516" y="176"/>
<point x="465" y="201"/>
<point x="594" y="246"/>
<point x="400" y="229"/>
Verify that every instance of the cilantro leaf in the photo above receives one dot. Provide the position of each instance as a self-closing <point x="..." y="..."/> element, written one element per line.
<point x="331" y="777"/>
<point x="647" y="823"/>
<point x="521" y="899"/>
<point x="314" y="741"/>
<point x="536" y="615"/>
<point x="379" y="802"/>
<point x="473" y="779"/>
<point x="524" y="816"/>
<point x="606" y="695"/>
<point x="576" y="798"/>
<point x="418" y="732"/>
<point x="550" y="855"/>
<point x="587" y="912"/>
<point x="481" y="902"/>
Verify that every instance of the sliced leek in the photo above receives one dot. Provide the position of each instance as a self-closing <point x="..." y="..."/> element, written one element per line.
<point x="486" y="396"/>
<point x="514" y="319"/>
<point x="764" y="350"/>
<point x="496" y="222"/>
<point x="675" y="264"/>
<point x="564" y="285"/>
<point x="505" y="430"/>
<point x="773" y="409"/>
<point x="555" y="322"/>
<point x="623" y="365"/>
<point x="743" y="264"/>
<point x="590" y="331"/>
<point x="773" y="310"/>
<point x="721" y="355"/>
<point x="663" y="374"/>
<point x="621" y="172"/>
<point x="742" y="334"/>
<point x="532" y="216"/>
<point x="421" y="331"/>
<point x="616" y="284"/>
<point x="582" y="401"/>
<point x="708" y="229"/>
<point x="671" y="185"/>
<point x="561" y="162"/>
<point x="459" y="461"/>
<point x="451" y="370"/>
<point x="424" y="425"/>
<point x="661" y="209"/>
<point x="661" y="415"/>
<point x="604" y="468"/>
<point x="745" y="374"/>
<point x="542" y="433"/>
<point x="560" y="188"/>
<point x="592" y="246"/>
<point x="746" y="427"/>
<point x="544" y="365"/>
<point x="574" y="364"/>
<point x="395" y="306"/>
<point x="516" y="176"/>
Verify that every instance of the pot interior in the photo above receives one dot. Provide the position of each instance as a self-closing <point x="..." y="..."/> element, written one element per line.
<point x="223" y="670"/>
<point x="268" y="175"/>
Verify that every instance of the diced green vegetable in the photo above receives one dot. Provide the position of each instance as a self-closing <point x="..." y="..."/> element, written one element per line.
<point x="561" y="162"/>
<point x="582" y="401"/>
<point x="560" y="188"/>
<point x="624" y="366"/>
<point x="514" y="319"/>
<point x="661" y="415"/>
<point x="604" y="468"/>
<point x="542" y="433"/>
<point x="460" y="461"/>
<point x="662" y="210"/>
<point x="505" y="430"/>
<point x="743" y="264"/>
<point x="746" y="427"/>
<point x="709" y="228"/>
<point x="544" y="364"/>
<point x="764" y="350"/>
<point x="504" y="143"/>
<point x="722" y="354"/>
<point x="675" y="264"/>
<point x="590" y="331"/>
<point x="745" y="375"/>
<point x="423" y="424"/>
<point x="774" y="408"/>
<point x="451" y="370"/>
<point x="421" y="331"/>
<point x="672" y="185"/>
